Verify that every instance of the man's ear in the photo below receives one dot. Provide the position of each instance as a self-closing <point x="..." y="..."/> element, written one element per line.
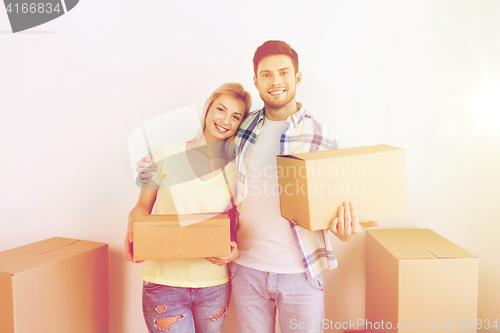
<point x="255" y="81"/>
<point x="298" y="78"/>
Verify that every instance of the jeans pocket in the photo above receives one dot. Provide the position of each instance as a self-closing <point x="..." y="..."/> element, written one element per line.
<point x="316" y="282"/>
<point x="235" y="268"/>
<point x="150" y="285"/>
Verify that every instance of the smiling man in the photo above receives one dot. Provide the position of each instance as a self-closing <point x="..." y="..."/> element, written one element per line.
<point x="280" y="263"/>
<point x="276" y="79"/>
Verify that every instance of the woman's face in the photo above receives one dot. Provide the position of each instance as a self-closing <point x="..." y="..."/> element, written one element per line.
<point x="223" y="118"/>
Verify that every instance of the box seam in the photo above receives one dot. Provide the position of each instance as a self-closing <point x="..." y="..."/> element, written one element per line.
<point x="60" y="247"/>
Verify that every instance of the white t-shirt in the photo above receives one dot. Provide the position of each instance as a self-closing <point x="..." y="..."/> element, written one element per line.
<point x="265" y="239"/>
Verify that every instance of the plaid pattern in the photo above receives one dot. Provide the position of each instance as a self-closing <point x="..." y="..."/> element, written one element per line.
<point x="302" y="134"/>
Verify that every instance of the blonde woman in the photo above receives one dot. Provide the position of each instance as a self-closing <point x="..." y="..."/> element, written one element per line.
<point x="192" y="295"/>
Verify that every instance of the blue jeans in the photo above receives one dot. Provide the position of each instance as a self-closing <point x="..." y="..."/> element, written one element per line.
<point x="257" y="295"/>
<point x="184" y="310"/>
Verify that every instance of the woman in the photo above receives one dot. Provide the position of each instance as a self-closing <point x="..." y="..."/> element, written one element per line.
<point x="192" y="295"/>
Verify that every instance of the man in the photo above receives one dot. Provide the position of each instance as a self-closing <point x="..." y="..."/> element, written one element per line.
<point x="280" y="263"/>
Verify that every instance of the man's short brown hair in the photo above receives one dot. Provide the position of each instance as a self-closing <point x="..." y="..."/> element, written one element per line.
<point x="275" y="47"/>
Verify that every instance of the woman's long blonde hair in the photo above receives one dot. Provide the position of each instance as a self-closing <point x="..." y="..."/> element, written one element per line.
<point x="236" y="91"/>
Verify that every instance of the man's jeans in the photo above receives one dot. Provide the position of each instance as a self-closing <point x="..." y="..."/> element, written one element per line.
<point x="257" y="294"/>
<point x="185" y="310"/>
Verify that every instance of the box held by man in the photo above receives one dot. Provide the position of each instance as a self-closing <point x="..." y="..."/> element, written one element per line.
<point x="314" y="185"/>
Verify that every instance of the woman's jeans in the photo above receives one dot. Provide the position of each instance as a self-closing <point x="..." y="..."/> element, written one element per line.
<point x="185" y="310"/>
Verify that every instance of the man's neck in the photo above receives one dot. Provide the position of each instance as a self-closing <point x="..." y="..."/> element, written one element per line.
<point x="281" y="114"/>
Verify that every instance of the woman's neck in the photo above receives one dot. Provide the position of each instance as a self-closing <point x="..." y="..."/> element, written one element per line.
<point x="216" y="148"/>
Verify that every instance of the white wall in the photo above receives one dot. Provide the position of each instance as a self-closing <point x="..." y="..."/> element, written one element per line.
<point x="405" y="73"/>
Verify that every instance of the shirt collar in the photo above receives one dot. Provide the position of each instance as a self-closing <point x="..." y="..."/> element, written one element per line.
<point x="298" y="116"/>
<point x="295" y="118"/>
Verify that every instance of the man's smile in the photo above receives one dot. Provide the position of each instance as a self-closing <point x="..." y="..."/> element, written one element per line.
<point x="277" y="92"/>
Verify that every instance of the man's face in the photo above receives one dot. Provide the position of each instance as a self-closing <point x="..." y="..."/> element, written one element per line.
<point x="276" y="81"/>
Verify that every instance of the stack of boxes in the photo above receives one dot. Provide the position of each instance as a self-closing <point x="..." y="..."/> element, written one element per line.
<point x="416" y="280"/>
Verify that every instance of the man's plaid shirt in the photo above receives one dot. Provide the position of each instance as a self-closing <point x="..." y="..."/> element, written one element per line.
<point x="303" y="133"/>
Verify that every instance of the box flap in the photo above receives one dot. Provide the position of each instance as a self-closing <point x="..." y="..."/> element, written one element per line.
<point x="26" y="251"/>
<point x="437" y="244"/>
<point x="319" y="155"/>
<point x="40" y="253"/>
<point x="291" y="157"/>
<point x="400" y="245"/>
<point x="175" y="218"/>
<point x="418" y="244"/>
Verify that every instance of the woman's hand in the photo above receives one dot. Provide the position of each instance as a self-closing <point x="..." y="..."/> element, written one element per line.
<point x="129" y="245"/>
<point x="145" y="168"/>
<point x="144" y="206"/>
<point x="220" y="261"/>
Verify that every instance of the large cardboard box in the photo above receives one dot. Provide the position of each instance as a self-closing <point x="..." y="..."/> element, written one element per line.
<point x="420" y="280"/>
<point x="58" y="285"/>
<point x="163" y="237"/>
<point x="314" y="185"/>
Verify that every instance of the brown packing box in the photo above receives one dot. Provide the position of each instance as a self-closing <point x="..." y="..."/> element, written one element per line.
<point x="162" y="237"/>
<point x="314" y="185"/>
<point x="419" y="279"/>
<point x="58" y="285"/>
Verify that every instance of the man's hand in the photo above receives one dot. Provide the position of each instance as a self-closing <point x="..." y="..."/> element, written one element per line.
<point x="346" y="225"/>
<point x="144" y="168"/>
<point x="224" y="260"/>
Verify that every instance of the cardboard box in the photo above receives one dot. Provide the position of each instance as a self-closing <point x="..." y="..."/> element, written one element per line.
<point x="314" y="185"/>
<point x="162" y="237"/>
<point x="421" y="280"/>
<point x="58" y="285"/>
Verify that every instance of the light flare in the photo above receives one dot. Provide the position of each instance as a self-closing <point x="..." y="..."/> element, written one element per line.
<point x="488" y="105"/>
